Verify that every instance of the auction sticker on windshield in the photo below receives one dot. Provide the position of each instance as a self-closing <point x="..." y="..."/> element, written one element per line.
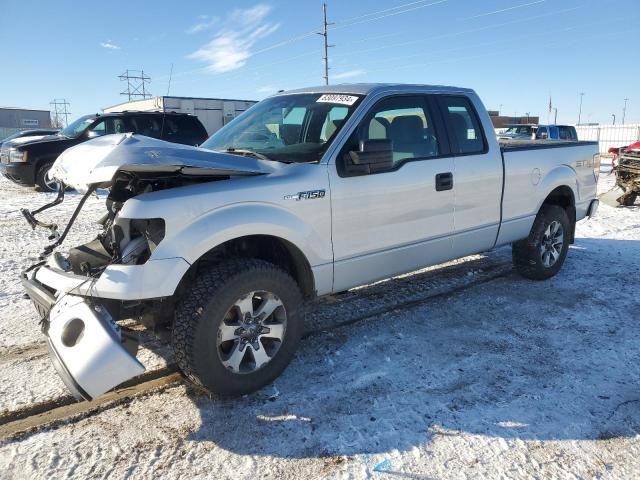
<point x="341" y="99"/>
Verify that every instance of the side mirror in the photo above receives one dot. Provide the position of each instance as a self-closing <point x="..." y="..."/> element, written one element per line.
<point x="373" y="156"/>
<point x="92" y="134"/>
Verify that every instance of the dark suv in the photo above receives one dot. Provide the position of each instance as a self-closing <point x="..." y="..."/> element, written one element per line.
<point x="28" y="163"/>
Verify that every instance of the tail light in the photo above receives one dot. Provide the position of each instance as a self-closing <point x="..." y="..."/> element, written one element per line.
<point x="596" y="166"/>
<point x="614" y="150"/>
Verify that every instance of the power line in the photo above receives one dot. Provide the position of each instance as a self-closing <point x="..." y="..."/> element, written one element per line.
<point x="461" y="32"/>
<point x="350" y="21"/>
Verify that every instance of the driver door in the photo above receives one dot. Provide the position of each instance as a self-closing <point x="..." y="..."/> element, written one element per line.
<point x="401" y="219"/>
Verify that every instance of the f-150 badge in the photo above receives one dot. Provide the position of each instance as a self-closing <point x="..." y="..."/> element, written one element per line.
<point x="308" y="195"/>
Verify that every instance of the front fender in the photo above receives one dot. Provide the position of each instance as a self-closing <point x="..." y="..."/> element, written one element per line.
<point x="242" y="219"/>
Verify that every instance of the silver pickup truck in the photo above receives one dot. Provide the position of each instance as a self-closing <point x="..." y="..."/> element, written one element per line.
<point x="308" y="192"/>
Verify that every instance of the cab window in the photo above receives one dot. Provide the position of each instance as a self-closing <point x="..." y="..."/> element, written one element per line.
<point x="407" y="122"/>
<point x="463" y="125"/>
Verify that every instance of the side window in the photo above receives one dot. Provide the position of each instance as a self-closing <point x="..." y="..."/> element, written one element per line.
<point x="463" y="125"/>
<point x="146" y="125"/>
<point x="334" y="118"/>
<point x="183" y="129"/>
<point x="407" y="122"/>
<point x="99" y="128"/>
<point x="568" y="133"/>
<point x="541" y="133"/>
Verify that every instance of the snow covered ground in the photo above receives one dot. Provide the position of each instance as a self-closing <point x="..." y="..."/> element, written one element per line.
<point x="509" y="378"/>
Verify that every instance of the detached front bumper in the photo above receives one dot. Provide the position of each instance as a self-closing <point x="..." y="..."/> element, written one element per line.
<point x="85" y="344"/>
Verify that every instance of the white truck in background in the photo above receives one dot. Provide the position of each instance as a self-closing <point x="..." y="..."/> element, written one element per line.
<point x="214" y="113"/>
<point x="310" y="192"/>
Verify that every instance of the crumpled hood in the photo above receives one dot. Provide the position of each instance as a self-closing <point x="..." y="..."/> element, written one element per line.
<point x="97" y="161"/>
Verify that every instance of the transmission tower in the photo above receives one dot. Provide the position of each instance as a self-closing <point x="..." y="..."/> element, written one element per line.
<point x="136" y="84"/>
<point x="60" y="111"/>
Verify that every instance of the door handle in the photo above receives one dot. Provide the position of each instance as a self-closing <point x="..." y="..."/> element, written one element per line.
<point x="444" y="181"/>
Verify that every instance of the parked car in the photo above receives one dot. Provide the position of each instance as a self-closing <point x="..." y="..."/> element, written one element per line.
<point x="518" y="132"/>
<point x="556" y="132"/>
<point x="37" y="132"/>
<point x="334" y="188"/>
<point x="29" y="162"/>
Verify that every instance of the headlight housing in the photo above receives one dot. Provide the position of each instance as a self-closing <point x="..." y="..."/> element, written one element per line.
<point x="17" y="156"/>
<point x="145" y="236"/>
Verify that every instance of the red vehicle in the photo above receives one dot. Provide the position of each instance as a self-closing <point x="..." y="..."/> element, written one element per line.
<point x="626" y="165"/>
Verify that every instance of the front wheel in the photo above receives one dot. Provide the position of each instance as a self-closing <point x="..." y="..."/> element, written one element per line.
<point x="238" y="326"/>
<point x="541" y="255"/>
<point x="44" y="181"/>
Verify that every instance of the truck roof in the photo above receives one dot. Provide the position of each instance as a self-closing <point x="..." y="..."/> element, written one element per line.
<point x="369" y="88"/>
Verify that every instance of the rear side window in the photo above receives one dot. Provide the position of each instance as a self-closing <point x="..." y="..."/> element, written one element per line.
<point x="183" y="129"/>
<point x="147" y="125"/>
<point x="568" y="133"/>
<point x="463" y="125"/>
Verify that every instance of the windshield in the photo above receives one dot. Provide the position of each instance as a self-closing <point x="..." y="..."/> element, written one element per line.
<point x="287" y="128"/>
<point x="76" y="129"/>
<point x="520" y="130"/>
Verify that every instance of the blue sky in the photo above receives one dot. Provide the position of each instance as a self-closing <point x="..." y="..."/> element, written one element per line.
<point x="514" y="53"/>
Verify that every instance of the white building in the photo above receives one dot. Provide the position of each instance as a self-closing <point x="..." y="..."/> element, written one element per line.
<point x="212" y="112"/>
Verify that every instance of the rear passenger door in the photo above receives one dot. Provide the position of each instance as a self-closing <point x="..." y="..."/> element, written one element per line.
<point x="477" y="177"/>
<point x="400" y="218"/>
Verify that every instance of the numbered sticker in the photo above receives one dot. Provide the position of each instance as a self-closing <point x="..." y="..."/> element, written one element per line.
<point x="337" y="98"/>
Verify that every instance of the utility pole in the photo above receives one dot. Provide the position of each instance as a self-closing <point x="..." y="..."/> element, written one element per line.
<point x="624" y="110"/>
<point x="555" y="115"/>
<point x="326" y="43"/>
<point x="614" y="118"/>
<point x="59" y="111"/>
<point x="136" y="84"/>
<point x="580" y="110"/>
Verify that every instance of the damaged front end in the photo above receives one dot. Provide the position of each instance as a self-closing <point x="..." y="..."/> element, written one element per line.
<point x="81" y="295"/>
<point x="628" y="175"/>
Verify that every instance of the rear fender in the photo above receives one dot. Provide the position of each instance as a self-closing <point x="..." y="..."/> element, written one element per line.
<point x="560" y="176"/>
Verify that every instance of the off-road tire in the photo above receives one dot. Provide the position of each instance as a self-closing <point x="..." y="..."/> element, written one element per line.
<point x="526" y="254"/>
<point x="41" y="183"/>
<point x="201" y="310"/>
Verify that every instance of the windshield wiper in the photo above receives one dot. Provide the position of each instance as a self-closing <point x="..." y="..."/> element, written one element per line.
<point x="244" y="152"/>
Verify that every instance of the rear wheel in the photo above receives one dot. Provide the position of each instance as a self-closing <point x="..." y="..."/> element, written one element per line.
<point x="44" y="181"/>
<point x="541" y="255"/>
<point x="238" y="327"/>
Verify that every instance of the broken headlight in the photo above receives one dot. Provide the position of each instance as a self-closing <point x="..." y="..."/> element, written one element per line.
<point x="145" y="235"/>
